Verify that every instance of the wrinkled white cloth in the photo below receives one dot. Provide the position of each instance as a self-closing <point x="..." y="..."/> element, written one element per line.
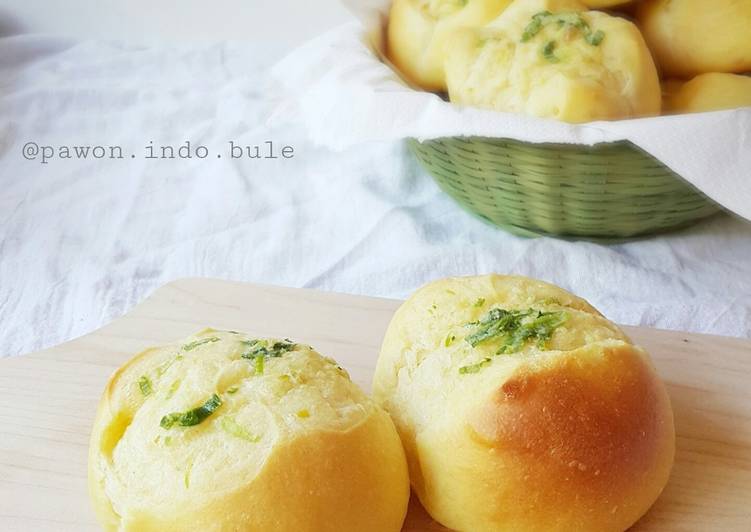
<point x="344" y="94"/>
<point x="83" y="241"/>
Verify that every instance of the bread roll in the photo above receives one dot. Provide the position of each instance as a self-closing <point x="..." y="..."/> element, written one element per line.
<point x="708" y="92"/>
<point x="690" y="37"/>
<point x="522" y="409"/>
<point x="418" y="29"/>
<point x="224" y="432"/>
<point x="549" y="58"/>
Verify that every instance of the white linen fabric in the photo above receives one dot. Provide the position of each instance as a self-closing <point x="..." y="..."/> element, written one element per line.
<point x="83" y="241"/>
<point x="345" y="94"/>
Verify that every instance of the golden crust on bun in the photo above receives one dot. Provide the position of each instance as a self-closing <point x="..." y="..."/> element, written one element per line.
<point x="521" y="408"/>
<point x="418" y="30"/>
<point x="553" y="59"/>
<point x="227" y="432"/>
<point x="690" y="37"/>
<point x="707" y="92"/>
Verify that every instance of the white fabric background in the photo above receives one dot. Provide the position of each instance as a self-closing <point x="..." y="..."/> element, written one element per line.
<point x="81" y="242"/>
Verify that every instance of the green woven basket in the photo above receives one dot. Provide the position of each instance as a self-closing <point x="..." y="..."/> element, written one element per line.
<point x="607" y="191"/>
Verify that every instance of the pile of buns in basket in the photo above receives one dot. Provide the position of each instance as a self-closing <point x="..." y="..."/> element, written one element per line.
<point x="577" y="60"/>
<point x="507" y="403"/>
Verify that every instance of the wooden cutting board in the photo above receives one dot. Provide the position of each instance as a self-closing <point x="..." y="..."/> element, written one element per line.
<point x="48" y="399"/>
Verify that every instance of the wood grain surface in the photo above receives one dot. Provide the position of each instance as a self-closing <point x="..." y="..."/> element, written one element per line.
<point x="48" y="399"/>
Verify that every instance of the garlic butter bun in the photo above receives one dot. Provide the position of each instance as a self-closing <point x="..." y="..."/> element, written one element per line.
<point x="226" y="432"/>
<point x="418" y="29"/>
<point x="708" y="92"/>
<point x="690" y="37"/>
<point x="550" y="58"/>
<point x="522" y="409"/>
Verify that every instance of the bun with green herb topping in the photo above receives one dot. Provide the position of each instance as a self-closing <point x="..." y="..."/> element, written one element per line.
<point x="521" y="408"/>
<point x="418" y="31"/>
<point x="227" y="432"/>
<point x="554" y="59"/>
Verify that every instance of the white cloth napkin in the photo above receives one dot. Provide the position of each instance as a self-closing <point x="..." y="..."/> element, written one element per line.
<point x="83" y="241"/>
<point x="343" y="92"/>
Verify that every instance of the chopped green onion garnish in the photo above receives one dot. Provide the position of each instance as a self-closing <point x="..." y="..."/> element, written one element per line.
<point x="514" y="328"/>
<point x="145" y="385"/>
<point x="191" y="346"/>
<point x="548" y="51"/>
<point x="565" y="21"/>
<point x="192" y="417"/>
<point x="233" y="428"/>
<point x="259" y="350"/>
<point x="537" y="23"/>
<point x="258" y="365"/>
<point x="595" y="38"/>
<point x="267" y="349"/>
<point x="162" y="369"/>
<point x="173" y="388"/>
<point x="186" y="476"/>
<point x="474" y="368"/>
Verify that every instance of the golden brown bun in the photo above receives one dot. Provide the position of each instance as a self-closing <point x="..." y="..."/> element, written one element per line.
<point x="690" y="37"/>
<point x="707" y="92"/>
<point x="575" y="435"/>
<point x="578" y="80"/>
<point x="294" y="445"/>
<point x="418" y="30"/>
